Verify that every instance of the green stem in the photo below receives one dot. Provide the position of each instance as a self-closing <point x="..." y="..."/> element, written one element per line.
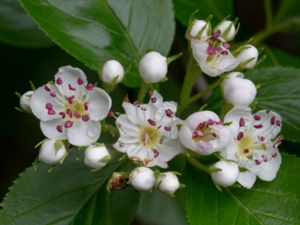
<point x="192" y="74"/>
<point x="142" y="92"/>
<point x="269" y="14"/>
<point x="204" y="92"/>
<point x="197" y="164"/>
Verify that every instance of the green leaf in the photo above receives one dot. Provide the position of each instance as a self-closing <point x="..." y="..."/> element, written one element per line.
<point x="95" y="31"/>
<point x="40" y="197"/>
<point x="218" y="8"/>
<point x="16" y="28"/>
<point x="288" y="9"/>
<point x="279" y="91"/>
<point x="115" y="208"/>
<point x="267" y="203"/>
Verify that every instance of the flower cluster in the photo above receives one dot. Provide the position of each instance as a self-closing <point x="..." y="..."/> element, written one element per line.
<point x="70" y="110"/>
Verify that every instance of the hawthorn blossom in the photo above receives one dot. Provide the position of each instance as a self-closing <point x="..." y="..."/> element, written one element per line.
<point x="70" y="108"/>
<point x="213" y="54"/>
<point x="148" y="132"/>
<point x="254" y="145"/>
<point x="204" y="133"/>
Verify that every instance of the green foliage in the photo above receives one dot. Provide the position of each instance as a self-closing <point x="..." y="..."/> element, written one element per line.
<point x="220" y="9"/>
<point x="267" y="203"/>
<point x="288" y="10"/>
<point x="70" y="191"/>
<point x="16" y="28"/>
<point x="99" y="30"/>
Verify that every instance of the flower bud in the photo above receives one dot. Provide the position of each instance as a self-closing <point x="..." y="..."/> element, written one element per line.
<point x="112" y="72"/>
<point x="25" y="101"/>
<point x="168" y="183"/>
<point x="227" y="29"/>
<point x="238" y="91"/>
<point x="142" y="179"/>
<point x="96" y="156"/>
<point x="227" y="175"/>
<point x="199" y="29"/>
<point x="248" y="57"/>
<point x="153" y="67"/>
<point x="52" y="151"/>
<point x="117" y="181"/>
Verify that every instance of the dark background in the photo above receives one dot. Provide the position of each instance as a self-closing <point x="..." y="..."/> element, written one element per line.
<point x="20" y="131"/>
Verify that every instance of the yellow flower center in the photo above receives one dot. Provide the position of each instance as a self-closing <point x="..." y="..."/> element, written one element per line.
<point x="149" y="136"/>
<point x="247" y="145"/>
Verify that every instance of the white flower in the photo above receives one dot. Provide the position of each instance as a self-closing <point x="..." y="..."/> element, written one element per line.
<point x="168" y="183"/>
<point x="227" y="30"/>
<point x="227" y="175"/>
<point x="52" y="151"/>
<point x="213" y="55"/>
<point x="25" y="101"/>
<point x="153" y="67"/>
<point x="255" y="144"/>
<point x="203" y="133"/>
<point x="199" y="29"/>
<point x="148" y="132"/>
<point x="142" y="179"/>
<point x="247" y="56"/>
<point x="96" y="156"/>
<point x="237" y="90"/>
<point x="112" y="72"/>
<point x="71" y="108"/>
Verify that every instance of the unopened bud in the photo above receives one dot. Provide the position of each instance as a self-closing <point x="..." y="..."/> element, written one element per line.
<point x="96" y="156"/>
<point x="227" y="173"/>
<point x="238" y="91"/>
<point x="112" y="72"/>
<point x="199" y="29"/>
<point x="248" y="56"/>
<point x="25" y="101"/>
<point x="227" y="29"/>
<point x="153" y="67"/>
<point x="168" y="183"/>
<point x="117" y="181"/>
<point x="142" y="179"/>
<point x="52" y="151"/>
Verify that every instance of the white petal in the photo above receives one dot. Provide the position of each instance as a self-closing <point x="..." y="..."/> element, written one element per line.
<point x="156" y="99"/>
<point x="126" y="127"/>
<point x="169" y="150"/>
<point x="41" y="97"/>
<point x="267" y="170"/>
<point x="99" y="104"/>
<point x="50" y="130"/>
<point x="246" y="179"/>
<point x="67" y="81"/>
<point x="84" y="133"/>
<point x="268" y="120"/>
<point x="234" y="116"/>
<point x="130" y="111"/>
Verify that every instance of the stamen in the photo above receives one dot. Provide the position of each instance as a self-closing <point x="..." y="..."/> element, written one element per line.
<point x="59" y="81"/>
<point x="273" y="120"/>
<point x="156" y="153"/>
<point x="62" y="114"/>
<point x="79" y="81"/>
<point x="274" y="155"/>
<point x="257" y="117"/>
<point x="201" y="125"/>
<point x="151" y="122"/>
<point x="89" y="86"/>
<point x="240" y="136"/>
<point x="216" y="35"/>
<point x="53" y="94"/>
<point x="278" y="123"/>
<point x="257" y="162"/>
<point x="46" y="87"/>
<point x="167" y="128"/>
<point x="51" y="112"/>
<point x="197" y="134"/>
<point x="246" y="151"/>
<point x="77" y="115"/>
<point x="85" y="118"/>
<point x="242" y="122"/>
<point x="69" y="112"/>
<point x="49" y="106"/>
<point x="226" y="45"/>
<point x="70" y="99"/>
<point x="265" y="159"/>
<point x="71" y="88"/>
<point x="224" y="52"/>
<point x="258" y="126"/>
<point x="86" y="106"/>
<point x="261" y="138"/>
<point x="153" y="99"/>
<point x="68" y="124"/>
<point x="169" y="113"/>
<point x="111" y="114"/>
<point x="59" y="128"/>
